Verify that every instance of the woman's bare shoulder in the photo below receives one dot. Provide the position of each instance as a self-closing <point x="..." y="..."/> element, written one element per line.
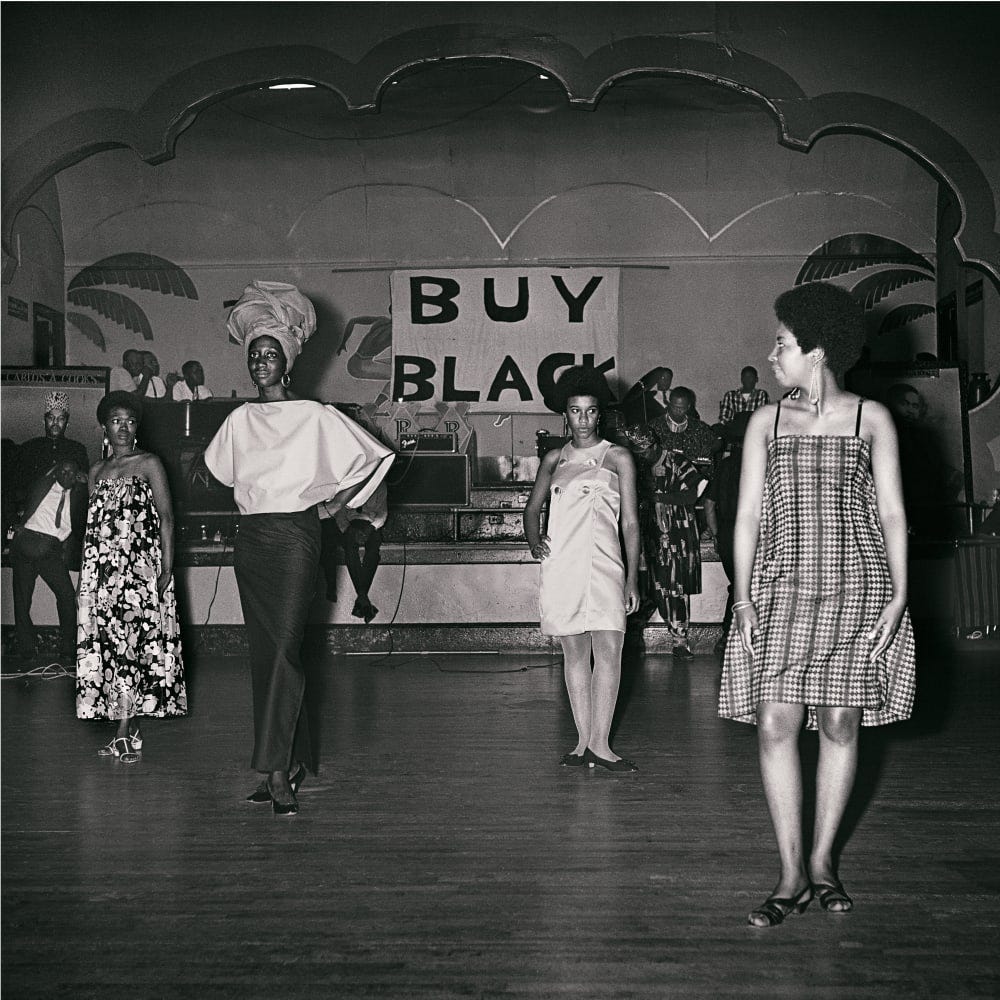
<point x="621" y="456"/>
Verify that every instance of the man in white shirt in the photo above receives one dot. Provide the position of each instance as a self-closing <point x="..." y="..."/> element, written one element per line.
<point x="192" y="386"/>
<point x="44" y="544"/>
<point x="123" y="379"/>
<point x="148" y="382"/>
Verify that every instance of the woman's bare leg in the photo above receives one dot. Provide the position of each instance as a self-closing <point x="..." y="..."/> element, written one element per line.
<point x="604" y="685"/>
<point x="838" y="763"/>
<point x="778" y="728"/>
<point x="576" y="671"/>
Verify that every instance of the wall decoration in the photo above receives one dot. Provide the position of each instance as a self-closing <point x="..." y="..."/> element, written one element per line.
<point x="90" y="328"/>
<point x="895" y="333"/>
<point x="136" y="270"/>
<point x="497" y="337"/>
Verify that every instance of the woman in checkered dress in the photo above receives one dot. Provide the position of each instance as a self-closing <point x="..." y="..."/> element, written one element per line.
<point x="822" y="636"/>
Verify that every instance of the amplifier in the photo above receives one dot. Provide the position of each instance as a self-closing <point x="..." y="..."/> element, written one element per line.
<point x="429" y="480"/>
<point x="429" y="441"/>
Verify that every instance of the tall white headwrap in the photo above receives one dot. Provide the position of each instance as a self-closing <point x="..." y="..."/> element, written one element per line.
<point x="273" y="309"/>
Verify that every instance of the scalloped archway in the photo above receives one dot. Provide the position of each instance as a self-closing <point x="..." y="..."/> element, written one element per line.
<point x="152" y="131"/>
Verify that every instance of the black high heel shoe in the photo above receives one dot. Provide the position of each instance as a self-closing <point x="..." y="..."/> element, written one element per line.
<point x="261" y="794"/>
<point x="573" y="759"/>
<point x="774" y="909"/>
<point x="592" y="760"/>
<point x="282" y="808"/>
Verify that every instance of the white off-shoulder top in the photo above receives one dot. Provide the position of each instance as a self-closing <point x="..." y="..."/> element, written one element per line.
<point x="288" y="456"/>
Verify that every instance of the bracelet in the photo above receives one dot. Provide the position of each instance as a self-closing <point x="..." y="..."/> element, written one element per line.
<point x="742" y="604"/>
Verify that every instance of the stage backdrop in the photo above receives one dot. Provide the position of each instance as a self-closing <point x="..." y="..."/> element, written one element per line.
<point x="497" y="338"/>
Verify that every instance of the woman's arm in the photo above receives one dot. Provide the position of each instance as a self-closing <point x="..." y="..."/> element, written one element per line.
<point x="629" y="519"/>
<point x="157" y="479"/>
<point x="892" y="517"/>
<point x="533" y="508"/>
<point x="340" y="500"/>
<point x="752" y="474"/>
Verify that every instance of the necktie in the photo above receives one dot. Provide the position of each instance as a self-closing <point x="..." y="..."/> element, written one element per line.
<point x="59" y="509"/>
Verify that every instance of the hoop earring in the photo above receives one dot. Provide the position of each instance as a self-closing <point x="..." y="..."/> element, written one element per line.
<point x="286" y="380"/>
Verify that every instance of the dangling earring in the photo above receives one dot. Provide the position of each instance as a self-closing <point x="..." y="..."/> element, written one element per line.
<point x="286" y="380"/>
<point x="815" y="383"/>
<point x="106" y="447"/>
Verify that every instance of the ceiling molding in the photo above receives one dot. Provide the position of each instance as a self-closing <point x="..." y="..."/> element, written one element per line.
<point x="152" y="131"/>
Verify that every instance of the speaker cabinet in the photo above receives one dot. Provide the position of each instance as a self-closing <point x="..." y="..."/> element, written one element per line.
<point x="429" y="479"/>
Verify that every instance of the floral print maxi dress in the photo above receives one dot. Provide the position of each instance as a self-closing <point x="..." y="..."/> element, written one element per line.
<point x="128" y="641"/>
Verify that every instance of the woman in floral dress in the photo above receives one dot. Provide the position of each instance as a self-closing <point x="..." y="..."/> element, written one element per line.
<point x="128" y="642"/>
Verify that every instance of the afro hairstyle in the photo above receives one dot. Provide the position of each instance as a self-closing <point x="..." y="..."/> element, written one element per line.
<point x="578" y="381"/>
<point x="119" y="398"/>
<point x="826" y="316"/>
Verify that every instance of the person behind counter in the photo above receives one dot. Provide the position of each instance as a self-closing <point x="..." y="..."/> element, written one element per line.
<point x="284" y="455"/>
<point x="586" y="589"/>
<point x="821" y="634"/>
<point x="123" y="378"/>
<point x="191" y="386"/>
<point x="129" y="661"/>
<point x="148" y="382"/>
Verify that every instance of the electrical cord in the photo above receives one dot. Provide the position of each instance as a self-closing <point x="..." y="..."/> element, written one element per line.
<point x="48" y="672"/>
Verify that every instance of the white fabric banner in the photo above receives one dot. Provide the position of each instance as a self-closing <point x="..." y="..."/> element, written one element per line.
<point x="498" y="337"/>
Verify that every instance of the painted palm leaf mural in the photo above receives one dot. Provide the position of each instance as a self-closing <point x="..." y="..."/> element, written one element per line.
<point x="890" y="268"/>
<point x="146" y="272"/>
<point x="90" y="328"/>
<point x="902" y="316"/>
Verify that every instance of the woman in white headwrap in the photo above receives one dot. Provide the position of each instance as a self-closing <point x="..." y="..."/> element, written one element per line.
<point x="283" y="456"/>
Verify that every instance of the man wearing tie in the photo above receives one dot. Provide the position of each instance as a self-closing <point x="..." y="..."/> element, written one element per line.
<point x="46" y="544"/>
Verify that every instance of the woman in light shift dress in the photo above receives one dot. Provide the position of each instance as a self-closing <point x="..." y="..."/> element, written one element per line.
<point x="821" y="633"/>
<point x="586" y="588"/>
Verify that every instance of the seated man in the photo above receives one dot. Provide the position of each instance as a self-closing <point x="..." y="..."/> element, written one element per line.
<point x="192" y="385"/>
<point x="148" y="382"/>
<point x="46" y="543"/>
<point x="746" y="399"/>
<point x="354" y="530"/>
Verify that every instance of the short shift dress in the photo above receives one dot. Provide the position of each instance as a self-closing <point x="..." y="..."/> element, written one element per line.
<point x="820" y="580"/>
<point x="583" y="577"/>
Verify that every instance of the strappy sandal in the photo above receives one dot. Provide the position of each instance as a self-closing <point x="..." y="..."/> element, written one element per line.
<point x="830" y="893"/>
<point x="774" y="909"/>
<point x="124" y="749"/>
<point x="136" y="738"/>
<point x="109" y="750"/>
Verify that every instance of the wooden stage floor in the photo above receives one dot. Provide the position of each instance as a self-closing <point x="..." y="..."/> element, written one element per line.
<point x="442" y="852"/>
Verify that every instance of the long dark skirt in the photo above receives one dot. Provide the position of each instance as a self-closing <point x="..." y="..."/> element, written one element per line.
<point x="276" y="559"/>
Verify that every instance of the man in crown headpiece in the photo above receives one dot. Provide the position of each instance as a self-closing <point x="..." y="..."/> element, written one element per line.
<point x="39" y="455"/>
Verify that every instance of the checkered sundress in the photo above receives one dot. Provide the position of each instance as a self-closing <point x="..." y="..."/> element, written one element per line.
<point x="819" y="581"/>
